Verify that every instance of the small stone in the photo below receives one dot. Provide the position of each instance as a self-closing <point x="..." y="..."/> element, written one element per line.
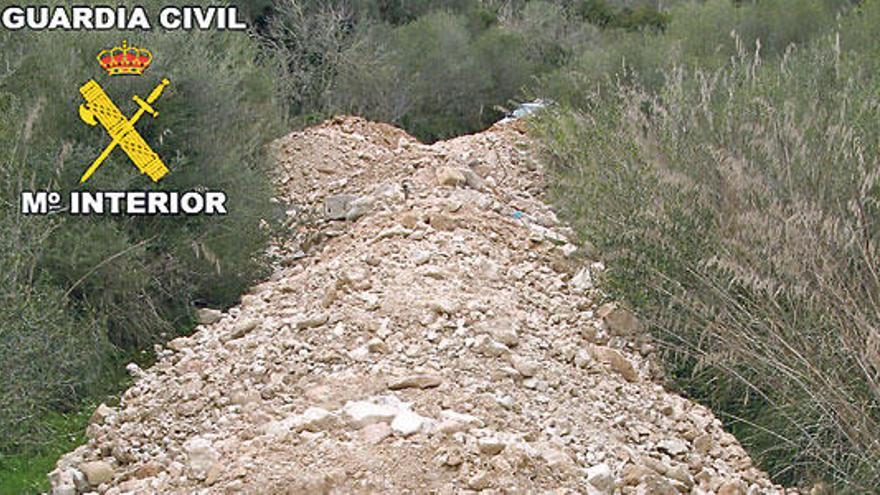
<point x="453" y="458"/>
<point x="454" y="422"/>
<point x="79" y="480"/>
<point x="623" y="366"/>
<point x="201" y="456"/>
<point x="524" y="366"/>
<point x="582" y="359"/>
<point x="623" y="322"/>
<point x="148" y="470"/>
<point x="363" y="413"/>
<point x="393" y="231"/>
<point x="102" y="412"/>
<point x="680" y="473"/>
<point x="487" y="347"/>
<point x="590" y="333"/>
<point x="732" y="487"/>
<point x="490" y="445"/>
<point x="615" y="359"/>
<point x="601" y="477"/>
<point x="504" y="331"/>
<point x="633" y="474"/>
<point x="568" y="250"/>
<point x="336" y="207"/>
<point x="67" y="482"/>
<point x="134" y="370"/>
<point x="312" y="322"/>
<point x="449" y="427"/>
<point x="473" y="180"/>
<point x="606" y="309"/>
<point x="672" y="447"/>
<point x="416" y="381"/>
<point x="410" y="220"/>
<point x="450" y="176"/>
<point x="444" y="306"/>
<point x="131" y="486"/>
<point x="582" y="281"/>
<point x="420" y="257"/>
<point x="443" y="221"/>
<point x="240" y="329"/>
<point x="360" y="354"/>
<point x="97" y="472"/>
<point x="655" y="464"/>
<point x="64" y="489"/>
<point x="375" y="433"/>
<point x="556" y="459"/>
<point x="655" y="485"/>
<point x="377" y="345"/>
<point x="315" y="419"/>
<point x="703" y="443"/>
<point x="180" y="343"/>
<point x="276" y="429"/>
<point x="704" y="477"/>
<point x="407" y="423"/>
<point x="480" y="481"/>
<point x="122" y="452"/>
<point x="214" y="473"/>
<point x="207" y="316"/>
<point x="358" y="208"/>
<point x="330" y="296"/>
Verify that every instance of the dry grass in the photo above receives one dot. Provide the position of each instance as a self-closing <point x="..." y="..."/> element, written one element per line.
<point x="738" y="211"/>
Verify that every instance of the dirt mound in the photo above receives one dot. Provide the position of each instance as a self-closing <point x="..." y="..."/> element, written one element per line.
<point x="430" y="328"/>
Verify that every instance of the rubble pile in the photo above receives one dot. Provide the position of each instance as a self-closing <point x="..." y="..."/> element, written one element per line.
<point x="431" y="328"/>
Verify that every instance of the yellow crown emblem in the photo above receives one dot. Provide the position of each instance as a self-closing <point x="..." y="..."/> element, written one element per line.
<point x="125" y="60"/>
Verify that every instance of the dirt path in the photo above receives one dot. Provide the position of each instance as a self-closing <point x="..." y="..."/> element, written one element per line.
<point x="429" y="329"/>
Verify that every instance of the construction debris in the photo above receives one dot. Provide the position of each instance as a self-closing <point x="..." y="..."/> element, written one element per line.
<point x="434" y="341"/>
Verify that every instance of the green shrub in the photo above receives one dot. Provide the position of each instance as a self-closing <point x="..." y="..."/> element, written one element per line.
<point x="617" y="57"/>
<point x="370" y="83"/>
<point x="456" y="80"/>
<point x="308" y="40"/>
<point x="551" y="35"/>
<point x="706" y="30"/>
<point x="50" y="356"/>
<point x="437" y="57"/>
<point x="641" y="16"/>
<point x="51" y="360"/>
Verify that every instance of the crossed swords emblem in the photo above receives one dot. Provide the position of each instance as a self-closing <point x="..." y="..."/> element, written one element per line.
<point x="99" y="108"/>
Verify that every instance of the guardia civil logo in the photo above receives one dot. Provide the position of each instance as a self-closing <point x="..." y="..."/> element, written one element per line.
<point x="99" y="109"/>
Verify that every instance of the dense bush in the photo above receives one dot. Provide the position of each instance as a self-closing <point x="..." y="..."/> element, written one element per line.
<point x="642" y="16"/>
<point x="39" y="338"/>
<point x="703" y="29"/>
<point x="441" y="74"/>
<point x="79" y="292"/>
<point x="447" y="77"/>
<point x="737" y="209"/>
